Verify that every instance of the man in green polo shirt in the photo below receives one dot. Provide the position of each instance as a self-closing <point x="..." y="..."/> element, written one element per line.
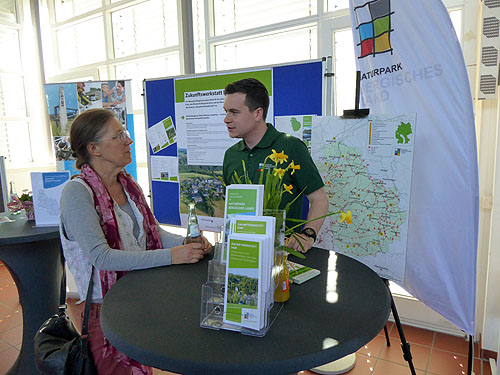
<point x="246" y="105"/>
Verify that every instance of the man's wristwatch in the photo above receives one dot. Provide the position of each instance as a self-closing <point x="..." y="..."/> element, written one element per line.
<point x="309" y="232"/>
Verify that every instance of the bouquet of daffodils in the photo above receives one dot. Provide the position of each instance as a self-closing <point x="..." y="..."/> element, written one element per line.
<point x="274" y="188"/>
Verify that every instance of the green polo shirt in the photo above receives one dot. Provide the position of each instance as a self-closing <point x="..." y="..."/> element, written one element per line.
<point x="307" y="177"/>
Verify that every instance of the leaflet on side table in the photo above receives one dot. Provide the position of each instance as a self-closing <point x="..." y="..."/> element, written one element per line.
<point x="239" y="292"/>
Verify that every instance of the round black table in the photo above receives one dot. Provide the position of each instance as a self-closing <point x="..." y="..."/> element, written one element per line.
<point x="32" y="256"/>
<point x="153" y="316"/>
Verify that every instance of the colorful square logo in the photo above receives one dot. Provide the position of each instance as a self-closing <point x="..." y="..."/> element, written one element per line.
<point x="374" y="27"/>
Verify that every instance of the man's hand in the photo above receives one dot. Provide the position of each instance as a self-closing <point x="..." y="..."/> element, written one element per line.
<point x="293" y="242"/>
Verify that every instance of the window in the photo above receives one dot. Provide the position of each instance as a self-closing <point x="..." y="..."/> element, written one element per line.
<point x="456" y="20"/>
<point x="78" y="44"/>
<point x="136" y="71"/>
<point x="8" y="11"/>
<point x="13" y="104"/>
<point x="238" y="15"/>
<point x="199" y="38"/>
<point x="125" y="39"/>
<point x="66" y="9"/>
<point x="9" y="38"/>
<point x="109" y="40"/>
<point x="145" y="27"/>
<point x="239" y="33"/>
<point x="333" y="5"/>
<point x="345" y="72"/>
<point x="14" y="125"/>
<point x="289" y="45"/>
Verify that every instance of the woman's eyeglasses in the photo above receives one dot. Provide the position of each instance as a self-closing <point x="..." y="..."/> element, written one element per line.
<point x="123" y="137"/>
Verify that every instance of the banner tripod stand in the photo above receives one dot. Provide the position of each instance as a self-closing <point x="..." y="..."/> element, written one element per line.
<point x="406" y="347"/>
<point x="404" y="344"/>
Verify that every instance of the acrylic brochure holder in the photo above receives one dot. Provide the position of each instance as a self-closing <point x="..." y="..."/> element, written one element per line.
<point x="212" y="293"/>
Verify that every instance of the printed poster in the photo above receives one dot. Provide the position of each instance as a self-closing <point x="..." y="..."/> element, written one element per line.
<point x="65" y="101"/>
<point x="161" y="134"/>
<point x="47" y="188"/>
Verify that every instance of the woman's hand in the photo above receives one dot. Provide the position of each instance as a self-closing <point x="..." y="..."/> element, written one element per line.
<point x="190" y="253"/>
<point x="207" y="246"/>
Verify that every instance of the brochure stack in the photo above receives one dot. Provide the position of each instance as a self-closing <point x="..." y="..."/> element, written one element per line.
<point x="239" y="291"/>
<point x="243" y="199"/>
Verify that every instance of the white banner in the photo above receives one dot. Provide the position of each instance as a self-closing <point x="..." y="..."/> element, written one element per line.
<point x="411" y="61"/>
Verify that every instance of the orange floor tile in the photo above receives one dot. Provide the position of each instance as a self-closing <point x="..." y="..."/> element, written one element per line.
<point x="433" y="353"/>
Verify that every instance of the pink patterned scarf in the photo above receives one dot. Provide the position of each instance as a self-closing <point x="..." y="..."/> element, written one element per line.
<point x="104" y="207"/>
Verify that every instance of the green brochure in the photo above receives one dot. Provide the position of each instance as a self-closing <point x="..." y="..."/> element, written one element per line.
<point x="244" y="199"/>
<point x="243" y="303"/>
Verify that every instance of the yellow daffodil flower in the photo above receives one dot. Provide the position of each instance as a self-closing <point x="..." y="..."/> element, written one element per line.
<point x="279" y="172"/>
<point x="288" y="188"/>
<point x="278" y="157"/>
<point x="294" y="167"/>
<point x="346" y="217"/>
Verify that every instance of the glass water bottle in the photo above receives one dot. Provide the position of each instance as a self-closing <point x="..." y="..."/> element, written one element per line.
<point x="12" y="192"/>
<point x="193" y="229"/>
<point x="13" y="195"/>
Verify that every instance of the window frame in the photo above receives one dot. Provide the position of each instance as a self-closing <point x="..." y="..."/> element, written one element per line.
<point x="33" y="114"/>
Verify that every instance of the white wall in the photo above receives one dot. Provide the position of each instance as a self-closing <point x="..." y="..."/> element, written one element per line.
<point x="487" y="116"/>
<point x="492" y="300"/>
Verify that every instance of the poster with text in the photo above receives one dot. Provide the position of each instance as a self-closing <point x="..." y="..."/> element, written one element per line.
<point x="202" y="139"/>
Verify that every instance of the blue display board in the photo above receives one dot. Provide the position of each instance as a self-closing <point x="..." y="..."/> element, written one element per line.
<point x="294" y="89"/>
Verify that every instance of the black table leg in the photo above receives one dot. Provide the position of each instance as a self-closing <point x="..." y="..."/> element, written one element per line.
<point x="36" y="269"/>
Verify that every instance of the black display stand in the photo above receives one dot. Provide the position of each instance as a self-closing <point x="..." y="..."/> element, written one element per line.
<point x="356" y="112"/>
<point x="405" y="346"/>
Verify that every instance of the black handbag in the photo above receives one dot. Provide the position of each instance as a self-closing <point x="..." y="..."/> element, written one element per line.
<point x="59" y="347"/>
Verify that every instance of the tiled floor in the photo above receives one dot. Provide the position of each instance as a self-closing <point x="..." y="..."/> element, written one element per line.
<point x="433" y="353"/>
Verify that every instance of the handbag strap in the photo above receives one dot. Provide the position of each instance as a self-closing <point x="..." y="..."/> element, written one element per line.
<point x="85" y="324"/>
<point x="62" y="293"/>
<point x="62" y="307"/>
<point x="62" y="296"/>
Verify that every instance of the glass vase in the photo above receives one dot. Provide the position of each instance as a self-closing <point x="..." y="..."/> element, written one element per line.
<point x="282" y="280"/>
<point x="280" y="270"/>
<point x="29" y="209"/>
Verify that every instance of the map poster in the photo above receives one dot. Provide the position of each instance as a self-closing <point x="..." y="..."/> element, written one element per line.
<point x="299" y="126"/>
<point x="47" y="189"/>
<point x="366" y="165"/>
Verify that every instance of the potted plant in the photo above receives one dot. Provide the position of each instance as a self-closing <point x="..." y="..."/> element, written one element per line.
<point x="25" y="201"/>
